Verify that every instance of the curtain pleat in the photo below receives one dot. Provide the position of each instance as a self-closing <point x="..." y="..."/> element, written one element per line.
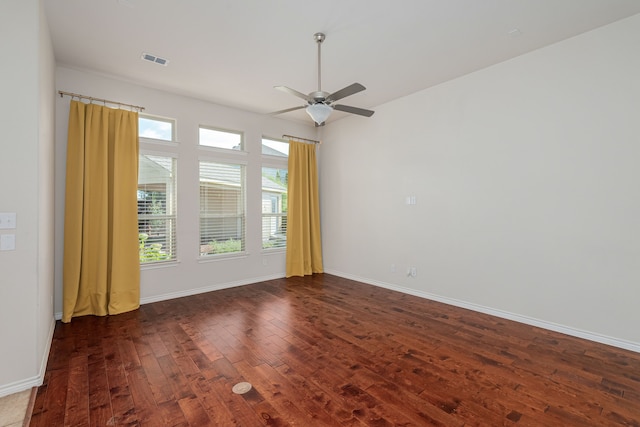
<point x="304" y="244"/>
<point x="101" y="270"/>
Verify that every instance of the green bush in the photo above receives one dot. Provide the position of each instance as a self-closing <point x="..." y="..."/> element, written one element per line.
<point x="150" y="251"/>
<point x="225" y="246"/>
<point x="266" y="244"/>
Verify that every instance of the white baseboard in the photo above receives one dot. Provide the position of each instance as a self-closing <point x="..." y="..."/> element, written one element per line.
<point x="21" y="385"/>
<point x="47" y="350"/>
<point x="201" y="290"/>
<point x="204" y="289"/>
<point x="28" y="383"/>
<point x="616" y="342"/>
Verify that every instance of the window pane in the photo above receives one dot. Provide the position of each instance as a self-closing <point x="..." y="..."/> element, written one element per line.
<point x="157" y="209"/>
<point x="155" y="128"/>
<point x="222" y="221"/>
<point x="274" y="147"/>
<point x="220" y="139"/>
<point x="274" y="207"/>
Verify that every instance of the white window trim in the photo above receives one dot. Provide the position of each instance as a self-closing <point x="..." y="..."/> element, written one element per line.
<point x="223" y="130"/>
<point x="231" y="160"/>
<point x="174" y="129"/>
<point x="171" y="262"/>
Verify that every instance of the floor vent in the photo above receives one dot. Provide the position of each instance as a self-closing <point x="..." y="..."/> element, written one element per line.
<point x="241" y="388"/>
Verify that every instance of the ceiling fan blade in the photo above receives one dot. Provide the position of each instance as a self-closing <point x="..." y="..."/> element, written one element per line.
<point x="286" y="110"/>
<point x="344" y="92"/>
<point x="293" y="92"/>
<point x="353" y="110"/>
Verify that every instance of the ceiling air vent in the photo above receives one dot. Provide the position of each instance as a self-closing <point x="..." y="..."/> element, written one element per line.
<point x="156" y="59"/>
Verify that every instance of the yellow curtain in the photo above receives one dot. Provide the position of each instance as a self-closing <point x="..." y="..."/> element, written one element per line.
<point x="101" y="268"/>
<point x="304" y="246"/>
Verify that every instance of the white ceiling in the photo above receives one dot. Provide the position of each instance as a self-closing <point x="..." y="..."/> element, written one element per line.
<point x="232" y="52"/>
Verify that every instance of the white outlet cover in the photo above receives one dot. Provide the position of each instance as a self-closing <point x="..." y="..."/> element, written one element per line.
<point x="7" y="220"/>
<point x="7" y="242"/>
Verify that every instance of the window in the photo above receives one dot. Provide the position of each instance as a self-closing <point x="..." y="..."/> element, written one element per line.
<point x="222" y="200"/>
<point x="274" y="207"/>
<point x="229" y="140"/>
<point x="274" y="193"/>
<point x="156" y="128"/>
<point x="157" y="208"/>
<point x="275" y="147"/>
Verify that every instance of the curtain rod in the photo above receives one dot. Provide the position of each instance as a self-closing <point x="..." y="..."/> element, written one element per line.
<point x="303" y="139"/>
<point x="91" y="98"/>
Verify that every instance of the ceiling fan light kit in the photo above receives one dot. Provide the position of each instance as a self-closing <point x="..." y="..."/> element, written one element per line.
<point x="319" y="112"/>
<point x="319" y="103"/>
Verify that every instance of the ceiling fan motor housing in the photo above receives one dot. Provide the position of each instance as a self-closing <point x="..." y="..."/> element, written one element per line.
<point x="319" y="96"/>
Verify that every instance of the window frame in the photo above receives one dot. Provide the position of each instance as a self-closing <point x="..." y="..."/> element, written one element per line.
<point x="228" y="161"/>
<point x="162" y="119"/>
<point x="280" y="217"/>
<point x="272" y="162"/>
<point x="222" y="149"/>
<point x="274" y="156"/>
<point x="171" y="200"/>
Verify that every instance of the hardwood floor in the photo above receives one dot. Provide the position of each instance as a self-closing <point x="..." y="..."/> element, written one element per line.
<point x="326" y="351"/>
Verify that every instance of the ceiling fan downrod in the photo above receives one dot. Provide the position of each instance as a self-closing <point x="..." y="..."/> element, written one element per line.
<point x="319" y="38"/>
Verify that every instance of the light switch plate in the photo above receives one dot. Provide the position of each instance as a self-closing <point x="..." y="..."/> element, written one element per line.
<point x="7" y="242"/>
<point x="7" y="220"/>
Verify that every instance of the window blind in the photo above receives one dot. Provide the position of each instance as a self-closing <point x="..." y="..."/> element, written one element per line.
<point x="222" y="208"/>
<point x="274" y="207"/>
<point x="157" y="208"/>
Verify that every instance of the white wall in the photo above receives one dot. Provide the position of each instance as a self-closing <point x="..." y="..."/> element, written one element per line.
<point x="26" y="171"/>
<point x="46" y="196"/>
<point x="526" y="177"/>
<point x="188" y="276"/>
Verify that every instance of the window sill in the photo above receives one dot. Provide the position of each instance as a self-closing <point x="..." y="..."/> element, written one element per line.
<point x="273" y="251"/>
<point x="157" y="265"/>
<point x="222" y="257"/>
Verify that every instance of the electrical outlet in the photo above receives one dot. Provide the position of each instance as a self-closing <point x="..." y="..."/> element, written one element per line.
<point x="412" y="272"/>
<point x="7" y="220"/>
<point x="411" y="200"/>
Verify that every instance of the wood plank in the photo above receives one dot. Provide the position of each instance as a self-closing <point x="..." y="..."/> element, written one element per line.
<point x="277" y="390"/>
<point x="194" y="412"/>
<point x="147" y="410"/>
<point x="38" y="405"/>
<point x="100" y="412"/>
<point x="216" y="408"/>
<point x="54" y="401"/>
<point x="178" y="382"/>
<point x="323" y="350"/>
<point x="332" y="403"/>
<point x="122" y="405"/>
<point x="160" y="385"/>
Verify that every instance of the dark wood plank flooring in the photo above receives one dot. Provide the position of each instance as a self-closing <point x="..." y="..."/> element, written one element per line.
<point x="326" y="351"/>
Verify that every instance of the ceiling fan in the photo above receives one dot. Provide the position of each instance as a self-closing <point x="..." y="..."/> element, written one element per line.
<point x="320" y="104"/>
